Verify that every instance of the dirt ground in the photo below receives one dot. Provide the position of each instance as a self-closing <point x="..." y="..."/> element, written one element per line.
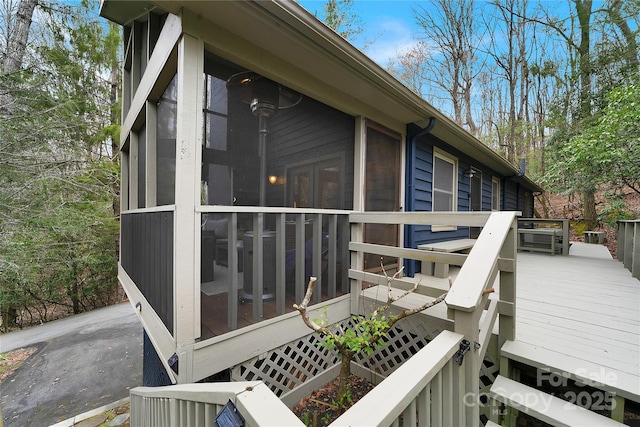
<point x="570" y="207"/>
<point x="321" y="407"/>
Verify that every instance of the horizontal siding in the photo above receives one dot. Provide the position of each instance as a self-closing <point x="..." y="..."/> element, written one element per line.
<point x="510" y="196"/>
<point x="147" y="257"/>
<point x="419" y="190"/>
<point x="423" y="176"/>
<point x="486" y="191"/>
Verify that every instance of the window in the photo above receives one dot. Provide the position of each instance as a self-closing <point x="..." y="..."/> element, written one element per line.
<point x="316" y="185"/>
<point x="444" y="186"/>
<point x="444" y="183"/>
<point x="495" y="194"/>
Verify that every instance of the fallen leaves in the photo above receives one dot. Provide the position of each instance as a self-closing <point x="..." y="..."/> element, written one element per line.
<point x="11" y="361"/>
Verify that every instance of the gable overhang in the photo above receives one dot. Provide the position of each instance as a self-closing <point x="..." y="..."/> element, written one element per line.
<point x="284" y="42"/>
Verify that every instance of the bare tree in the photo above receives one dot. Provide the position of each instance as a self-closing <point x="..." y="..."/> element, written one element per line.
<point x="449" y="29"/>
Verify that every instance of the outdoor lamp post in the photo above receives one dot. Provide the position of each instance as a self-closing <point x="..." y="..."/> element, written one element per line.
<point x="265" y="97"/>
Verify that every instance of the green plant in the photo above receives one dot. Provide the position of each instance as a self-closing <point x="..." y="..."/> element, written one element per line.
<point x="366" y="334"/>
<point x="306" y="419"/>
<point x="616" y="210"/>
<point x="326" y="419"/>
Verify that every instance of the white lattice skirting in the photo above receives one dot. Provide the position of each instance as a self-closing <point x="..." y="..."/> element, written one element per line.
<point x="286" y="369"/>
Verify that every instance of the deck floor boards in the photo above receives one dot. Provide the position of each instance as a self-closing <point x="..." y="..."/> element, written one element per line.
<point x="579" y="311"/>
<point x="585" y="306"/>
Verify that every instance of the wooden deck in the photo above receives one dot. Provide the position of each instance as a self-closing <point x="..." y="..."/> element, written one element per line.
<point x="579" y="314"/>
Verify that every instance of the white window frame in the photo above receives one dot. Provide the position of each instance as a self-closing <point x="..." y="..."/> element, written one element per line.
<point x="454" y="200"/>
<point x="495" y="198"/>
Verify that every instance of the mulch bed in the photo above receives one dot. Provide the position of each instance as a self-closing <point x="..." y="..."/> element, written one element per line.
<point x="321" y="407"/>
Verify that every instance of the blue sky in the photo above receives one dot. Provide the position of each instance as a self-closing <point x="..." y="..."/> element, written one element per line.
<point x="389" y="25"/>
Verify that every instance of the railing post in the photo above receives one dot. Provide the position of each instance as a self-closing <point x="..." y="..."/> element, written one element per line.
<point x="635" y="258"/>
<point x="357" y="263"/>
<point x="467" y="377"/>
<point x="628" y="244"/>
<point x="565" y="237"/>
<point x="316" y="260"/>
<point x="281" y="278"/>
<point x="507" y="323"/>
<point x="232" y="262"/>
<point x="620" y="251"/>
<point x="299" y="264"/>
<point x="258" y="265"/>
<point x="332" y="258"/>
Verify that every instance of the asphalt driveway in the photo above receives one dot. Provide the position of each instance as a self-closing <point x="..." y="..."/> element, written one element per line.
<point x="82" y="362"/>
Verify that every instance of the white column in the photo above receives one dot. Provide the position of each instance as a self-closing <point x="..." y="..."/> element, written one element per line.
<point x="357" y="231"/>
<point x="187" y="197"/>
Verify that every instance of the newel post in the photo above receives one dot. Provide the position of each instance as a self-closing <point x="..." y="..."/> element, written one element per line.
<point x="467" y="381"/>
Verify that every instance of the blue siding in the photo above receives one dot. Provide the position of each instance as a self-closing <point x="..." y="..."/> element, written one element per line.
<point x="510" y="196"/>
<point x="487" y="188"/>
<point x="419" y="178"/>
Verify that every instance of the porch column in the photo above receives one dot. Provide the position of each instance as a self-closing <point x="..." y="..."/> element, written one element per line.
<point x="187" y="197"/>
<point x="357" y="230"/>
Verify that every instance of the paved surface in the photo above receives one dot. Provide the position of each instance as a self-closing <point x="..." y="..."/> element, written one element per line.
<point x="83" y="362"/>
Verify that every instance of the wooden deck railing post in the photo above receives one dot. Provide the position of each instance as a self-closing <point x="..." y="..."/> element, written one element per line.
<point x="620" y="248"/>
<point x="507" y="324"/>
<point x="628" y="244"/>
<point x="467" y="379"/>
<point x="635" y="262"/>
<point x="234" y="279"/>
<point x="357" y="262"/>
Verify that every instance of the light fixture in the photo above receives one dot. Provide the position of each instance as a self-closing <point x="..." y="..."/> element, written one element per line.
<point x="274" y="179"/>
<point x="469" y="173"/>
<point x="265" y="97"/>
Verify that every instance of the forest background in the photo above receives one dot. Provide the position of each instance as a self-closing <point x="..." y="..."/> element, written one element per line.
<point x="559" y="87"/>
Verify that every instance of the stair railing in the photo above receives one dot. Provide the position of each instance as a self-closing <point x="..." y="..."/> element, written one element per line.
<point x="197" y="405"/>
<point x="493" y="253"/>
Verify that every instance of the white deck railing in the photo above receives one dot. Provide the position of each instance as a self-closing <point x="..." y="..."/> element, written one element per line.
<point x="434" y="386"/>
<point x="430" y="381"/>
<point x="494" y="252"/>
<point x="196" y="405"/>
<point x="629" y="246"/>
<point x="424" y="391"/>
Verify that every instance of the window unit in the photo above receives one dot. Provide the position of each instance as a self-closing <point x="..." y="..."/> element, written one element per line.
<point x="445" y="186"/>
<point x="495" y="194"/>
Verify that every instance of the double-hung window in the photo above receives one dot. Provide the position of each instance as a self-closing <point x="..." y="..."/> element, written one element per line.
<point x="444" y="185"/>
<point x="495" y="194"/>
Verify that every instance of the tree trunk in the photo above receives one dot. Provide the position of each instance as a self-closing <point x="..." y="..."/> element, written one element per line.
<point x="17" y="43"/>
<point x="589" y="209"/>
<point x="345" y="373"/>
<point x="631" y="54"/>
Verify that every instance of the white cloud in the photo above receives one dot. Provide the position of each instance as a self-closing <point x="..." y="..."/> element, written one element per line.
<point x="388" y="36"/>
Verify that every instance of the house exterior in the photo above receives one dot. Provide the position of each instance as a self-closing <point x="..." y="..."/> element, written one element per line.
<point x="250" y="131"/>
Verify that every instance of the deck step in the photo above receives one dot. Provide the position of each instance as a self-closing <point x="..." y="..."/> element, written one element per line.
<point x="545" y="407"/>
<point x="601" y="377"/>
